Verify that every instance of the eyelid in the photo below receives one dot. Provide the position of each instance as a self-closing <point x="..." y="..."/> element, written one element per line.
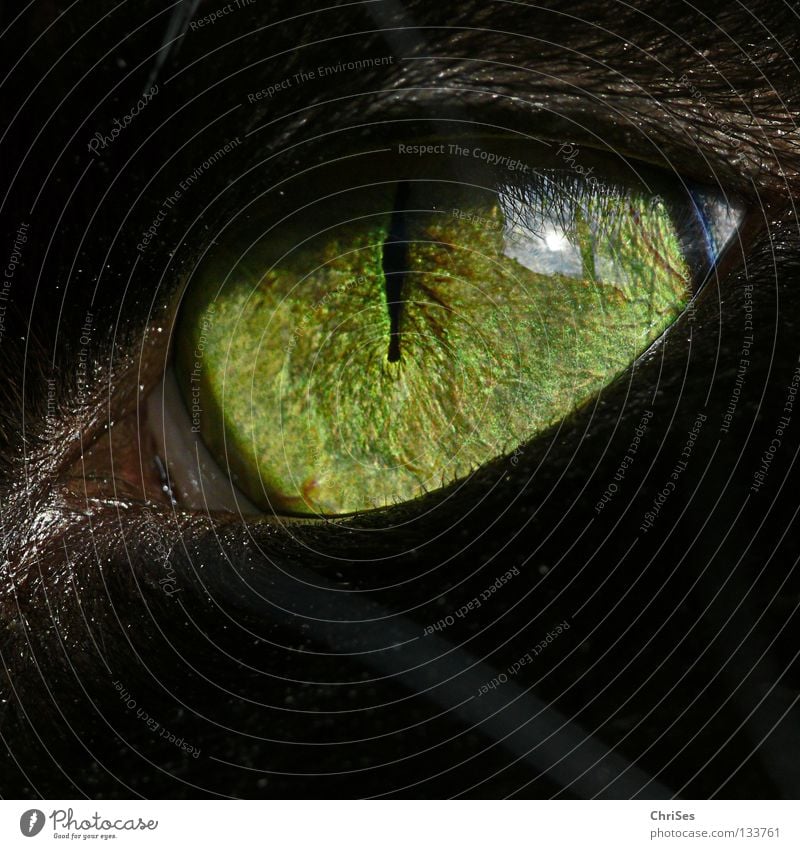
<point x="629" y="127"/>
<point x="196" y="480"/>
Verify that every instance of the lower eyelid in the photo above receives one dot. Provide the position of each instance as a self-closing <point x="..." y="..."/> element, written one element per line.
<point x="196" y="481"/>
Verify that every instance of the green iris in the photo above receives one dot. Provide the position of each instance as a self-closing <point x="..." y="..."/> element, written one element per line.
<point x="401" y="335"/>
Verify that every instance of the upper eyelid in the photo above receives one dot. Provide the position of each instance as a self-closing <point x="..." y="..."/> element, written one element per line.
<point x="616" y="98"/>
<point x="669" y="138"/>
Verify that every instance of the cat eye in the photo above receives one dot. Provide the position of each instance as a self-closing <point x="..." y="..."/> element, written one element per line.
<point x="371" y="333"/>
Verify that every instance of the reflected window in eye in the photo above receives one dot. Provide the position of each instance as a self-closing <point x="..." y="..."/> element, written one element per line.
<point x="374" y="333"/>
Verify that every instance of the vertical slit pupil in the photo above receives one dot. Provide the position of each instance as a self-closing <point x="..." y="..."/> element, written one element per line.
<point x="395" y="266"/>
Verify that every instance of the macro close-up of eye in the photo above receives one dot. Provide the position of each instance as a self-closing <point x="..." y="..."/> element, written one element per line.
<point x="343" y="346"/>
<point x="400" y="401"/>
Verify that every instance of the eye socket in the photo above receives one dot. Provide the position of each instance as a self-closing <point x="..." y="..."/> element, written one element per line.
<point x="373" y="333"/>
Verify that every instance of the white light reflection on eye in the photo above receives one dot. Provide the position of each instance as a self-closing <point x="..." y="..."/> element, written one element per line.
<point x="548" y="251"/>
<point x="555" y="240"/>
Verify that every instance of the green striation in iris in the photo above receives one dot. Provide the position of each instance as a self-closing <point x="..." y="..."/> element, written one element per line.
<point x="515" y="309"/>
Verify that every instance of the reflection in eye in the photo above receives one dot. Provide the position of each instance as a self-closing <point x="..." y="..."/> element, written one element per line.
<point x="390" y="338"/>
